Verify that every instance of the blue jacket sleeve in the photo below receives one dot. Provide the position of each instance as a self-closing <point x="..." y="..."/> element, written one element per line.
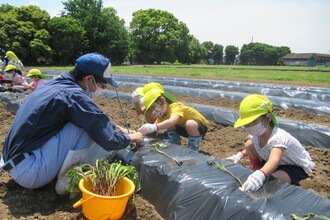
<point x="85" y="114"/>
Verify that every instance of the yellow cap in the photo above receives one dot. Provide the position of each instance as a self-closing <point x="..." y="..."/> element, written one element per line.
<point x="150" y="86"/>
<point x="11" y="55"/>
<point x="151" y="96"/>
<point x="10" y="67"/>
<point x="36" y="72"/>
<point x="139" y="90"/>
<point x="252" y="107"/>
<point x="153" y="85"/>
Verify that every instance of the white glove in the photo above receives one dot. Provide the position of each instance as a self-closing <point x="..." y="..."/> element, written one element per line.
<point x="254" y="181"/>
<point x="161" y="131"/>
<point x="236" y="157"/>
<point x="135" y="97"/>
<point x="147" y="128"/>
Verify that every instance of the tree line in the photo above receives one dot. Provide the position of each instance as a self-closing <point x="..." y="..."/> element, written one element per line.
<point x="153" y="36"/>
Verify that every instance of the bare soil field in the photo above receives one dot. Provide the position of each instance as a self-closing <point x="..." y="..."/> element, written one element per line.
<point x="19" y="203"/>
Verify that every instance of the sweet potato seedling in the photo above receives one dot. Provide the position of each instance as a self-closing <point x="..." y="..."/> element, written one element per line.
<point x="220" y="166"/>
<point x="309" y="216"/>
<point x="157" y="146"/>
<point x="102" y="177"/>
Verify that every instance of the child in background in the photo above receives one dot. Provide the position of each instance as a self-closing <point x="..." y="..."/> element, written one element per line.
<point x="39" y="79"/>
<point x="283" y="156"/>
<point x="12" y="59"/>
<point x="15" y="75"/>
<point x="137" y="96"/>
<point x="177" y="118"/>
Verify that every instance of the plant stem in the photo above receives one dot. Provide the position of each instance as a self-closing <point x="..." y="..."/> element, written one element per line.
<point x="220" y="166"/>
<point x="157" y="146"/>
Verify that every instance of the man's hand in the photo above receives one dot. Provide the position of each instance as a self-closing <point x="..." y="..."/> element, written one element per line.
<point x="254" y="181"/>
<point x="148" y="128"/>
<point x="136" y="137"/>
<point x="135" y="97"/>
<point x="236" y="157"/>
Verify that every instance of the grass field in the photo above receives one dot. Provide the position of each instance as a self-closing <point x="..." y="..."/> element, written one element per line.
<point x="319" y="74"/>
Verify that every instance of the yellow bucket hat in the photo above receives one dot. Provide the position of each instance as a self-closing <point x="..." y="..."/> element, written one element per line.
<point x="152" y="95"/>
<point x="252" y="107"/>
<point x="36" y="72"/>
<point x="11" y="55"/>
<point x="143" y="90"/>
<point x="150" y="86"/>
<point x="10" y="67"/>
<point x="139" y="90"/>
<point x="154" y="85"/>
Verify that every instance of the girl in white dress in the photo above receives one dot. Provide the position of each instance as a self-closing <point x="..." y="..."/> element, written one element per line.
<point x="282" y="155"/>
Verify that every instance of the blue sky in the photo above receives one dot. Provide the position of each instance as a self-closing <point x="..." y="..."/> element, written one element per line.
<point x="302" y="25"/>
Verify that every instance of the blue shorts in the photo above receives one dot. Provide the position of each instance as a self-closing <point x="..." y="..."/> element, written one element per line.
<point x="181" y="130"/>
<point x="295" y="173"/>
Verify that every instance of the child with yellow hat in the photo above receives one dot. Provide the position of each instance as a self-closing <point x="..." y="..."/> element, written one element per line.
<point x="12" y="59"/>
<point x="282" y="154"/>
<point x="38" y="78"/>
<point x="177" y="118"/>
<point x="137" y="96"/>
<point x="15" y="75"/>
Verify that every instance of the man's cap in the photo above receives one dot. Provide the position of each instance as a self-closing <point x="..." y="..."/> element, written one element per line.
<point x="10" y="67"/>
<point x="152" y="95"/>
<point x="96" y="65"/>
<point x="252" y="107"/>
<point x="36" y="72"/>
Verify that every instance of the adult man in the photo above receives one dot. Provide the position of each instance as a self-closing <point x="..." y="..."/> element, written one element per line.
<point x="58" y="123"/>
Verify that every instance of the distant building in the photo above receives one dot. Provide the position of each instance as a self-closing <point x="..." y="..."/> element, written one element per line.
<point x="306" y="59"/>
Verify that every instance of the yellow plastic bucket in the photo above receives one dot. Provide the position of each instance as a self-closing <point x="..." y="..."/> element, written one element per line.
<point x="105" y="207"/>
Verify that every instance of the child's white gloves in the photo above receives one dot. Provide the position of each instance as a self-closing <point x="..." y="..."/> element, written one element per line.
<point x="135" y="97"/>
<point x="148" y="128"/>
<point x="254" y="181"/>
<point x="236" y="157"/>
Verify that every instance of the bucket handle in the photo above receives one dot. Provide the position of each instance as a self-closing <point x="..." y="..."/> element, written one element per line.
<point x="81" y="201"/>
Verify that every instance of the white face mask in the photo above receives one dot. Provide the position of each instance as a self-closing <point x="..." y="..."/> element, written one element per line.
<point x="256" y="130"/>
<point x="9" y="76"/>
<point x="158" y="111"/>
<point x="94" y="94"/>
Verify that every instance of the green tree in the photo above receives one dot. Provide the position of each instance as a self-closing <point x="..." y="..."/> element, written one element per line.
<point x="262" y="54"/>
<point x="281" y="52"/>
<point x="88" y="13"/>
<point x="214" y="52"/>
<point x="158" y="36"/>
<point x="20" y="28"/>
<point x="66" y="31"/>
<point x="217" y="54"/>
<point x="40" y="48"/>
<point x="115" y="36"/>
<point x="208" y="46"/>
<point x="4" y="8"/>
<point x="104" y="30"/>
<point x="231" y="52"/>
<point x="197" y="52"/>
